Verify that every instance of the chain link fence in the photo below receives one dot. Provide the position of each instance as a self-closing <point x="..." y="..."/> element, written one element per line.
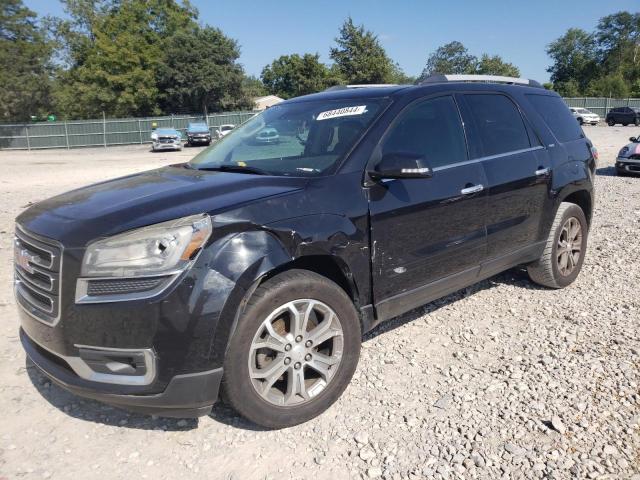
<point x="105" y="132"/>
<point x="127" y="131"/>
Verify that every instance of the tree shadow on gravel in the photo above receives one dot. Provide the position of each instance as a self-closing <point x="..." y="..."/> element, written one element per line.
<point x="93" y="411"/>
<point x="516" y="277"/>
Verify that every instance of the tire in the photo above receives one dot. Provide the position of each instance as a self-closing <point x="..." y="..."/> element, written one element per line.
<point x="625" y="124"/>
<point x="636" y="122"/>
<point x="547" y="270"/>
<point x="621" y="173"/>
<point x="581" y="121"/>
<point x="611" y="122"/>
<point x="270" y="409"/>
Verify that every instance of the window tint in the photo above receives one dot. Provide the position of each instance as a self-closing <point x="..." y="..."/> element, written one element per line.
<point x="556" y="115"/>
<point x="433" y="129"/>
<point x="499" y="124"/>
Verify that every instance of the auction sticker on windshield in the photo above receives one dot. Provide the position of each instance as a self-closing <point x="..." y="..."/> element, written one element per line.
<point x="342" y="112"/>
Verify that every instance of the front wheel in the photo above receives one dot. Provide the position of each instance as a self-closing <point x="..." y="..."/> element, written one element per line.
<point x="294" y="351"/>
<point x="581" y="121"/>
<point x="564" y="252"/>
<point x="611" y="122"/>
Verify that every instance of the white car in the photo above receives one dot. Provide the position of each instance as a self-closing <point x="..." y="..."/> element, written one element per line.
<point x="582" y="115"/>
<point x="222" y="130"/>
<point x="166" y="139"/>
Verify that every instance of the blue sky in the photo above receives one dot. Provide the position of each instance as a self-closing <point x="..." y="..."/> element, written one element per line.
<point x="409" y="29"/>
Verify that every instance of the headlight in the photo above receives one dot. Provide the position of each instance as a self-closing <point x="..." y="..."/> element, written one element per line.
<point x="160" y="249"/>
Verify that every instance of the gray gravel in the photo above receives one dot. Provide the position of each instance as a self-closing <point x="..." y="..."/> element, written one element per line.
<point x="500" y="380"/>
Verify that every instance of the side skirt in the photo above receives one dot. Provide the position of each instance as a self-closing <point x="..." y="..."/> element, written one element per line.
<point x="403" y="302"/>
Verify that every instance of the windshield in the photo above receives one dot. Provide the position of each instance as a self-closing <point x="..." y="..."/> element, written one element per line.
<point x="582" y="110"/>
<point x="294" y="139"/>
<point x="199" y="127"/>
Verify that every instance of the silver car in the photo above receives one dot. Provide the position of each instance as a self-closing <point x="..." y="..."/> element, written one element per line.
<point x="628" y="161"/>
<point x="584" y="116"/>
<point x="166" y="139"/>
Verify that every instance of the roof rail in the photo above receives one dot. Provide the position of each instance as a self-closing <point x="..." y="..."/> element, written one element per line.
<point x="371" y="85"/>
<point x="480" y="79"/>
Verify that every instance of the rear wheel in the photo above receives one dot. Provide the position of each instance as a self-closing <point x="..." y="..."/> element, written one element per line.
<point x="563" y="255"/>
<point x="636" y="122"/>
<point x="611" y="122"/>
<point x="294" y="350"/>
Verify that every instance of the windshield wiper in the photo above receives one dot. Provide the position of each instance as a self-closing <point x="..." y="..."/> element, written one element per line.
<point x="236" y="169"/>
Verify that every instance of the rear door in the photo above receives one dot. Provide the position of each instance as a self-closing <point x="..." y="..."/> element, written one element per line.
<point x="429" y="228"/>
<point x="517" y="168"/>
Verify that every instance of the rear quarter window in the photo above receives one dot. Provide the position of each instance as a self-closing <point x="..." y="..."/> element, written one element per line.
<point x="557" y="116"/>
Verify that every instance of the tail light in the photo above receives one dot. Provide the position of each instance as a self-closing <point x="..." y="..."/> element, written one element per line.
<point x="594" y="153"/>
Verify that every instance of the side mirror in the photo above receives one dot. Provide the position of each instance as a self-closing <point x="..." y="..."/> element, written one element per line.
<point x="401" y="165"/>
<point x="633" y="139"/>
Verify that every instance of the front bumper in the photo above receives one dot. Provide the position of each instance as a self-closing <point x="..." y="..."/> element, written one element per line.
<point x="167" y="146"/>
<point x="628" y="165"/>
<point x="199" y="139"/>
<point x="185" y="396"/>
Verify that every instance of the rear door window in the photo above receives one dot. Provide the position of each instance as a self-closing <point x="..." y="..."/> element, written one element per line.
<point x="499" y="124"/>
<point x="557" y="116"/>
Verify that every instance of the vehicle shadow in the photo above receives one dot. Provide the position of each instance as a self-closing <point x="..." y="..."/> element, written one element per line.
<point x="606" y="171"/>
<point x="516" y="277"/>
<point x="94" y="411"/>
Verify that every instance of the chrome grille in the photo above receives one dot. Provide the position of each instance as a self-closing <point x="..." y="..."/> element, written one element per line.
<point x="37" y="267"/>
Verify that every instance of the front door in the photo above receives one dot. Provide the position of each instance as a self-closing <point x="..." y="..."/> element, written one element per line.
<point x="424" y="230"/>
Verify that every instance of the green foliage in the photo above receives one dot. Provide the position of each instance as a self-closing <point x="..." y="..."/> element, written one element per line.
<point x="451" y="58"/>
<point x="454" y="58"/>
<point x="360" y="58"/>
<point x="494" y="65"/>
<point x="295" y="75"/>
<point x="574" y="58"/>
<point x="200" y="71"/>
<point x="606" y="62"/>
<point x="570" y="88"/>
<point x="610" y="86"/>
<point x="25" y="63"/>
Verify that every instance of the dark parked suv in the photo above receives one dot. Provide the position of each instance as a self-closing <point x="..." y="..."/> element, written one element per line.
<point x="623" y="115"/>
<point x="255" y="268"/>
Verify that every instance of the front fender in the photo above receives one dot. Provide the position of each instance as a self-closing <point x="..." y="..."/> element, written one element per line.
<point x="238" y="261"/>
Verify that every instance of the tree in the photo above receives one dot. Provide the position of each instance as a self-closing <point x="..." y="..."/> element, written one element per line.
<point x="574" y="58"/>
<point x="295" y="75"/>
<point x="359" y="57"/>
<point x="201" y="70"/>
<point x="495" y="65"/>
<point x="451" y="58"/>
<point x="25" y="63"/>
<point x="608" y="86"/>
<point x="618" y="37"/>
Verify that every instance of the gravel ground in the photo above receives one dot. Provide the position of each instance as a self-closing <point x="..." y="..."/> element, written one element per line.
<point x="501" y="380"/>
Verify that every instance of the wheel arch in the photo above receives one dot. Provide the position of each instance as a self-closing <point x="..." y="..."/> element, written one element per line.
<point x="583" y="199"/>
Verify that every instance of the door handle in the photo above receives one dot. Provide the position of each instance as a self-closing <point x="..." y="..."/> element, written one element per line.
<point x="542" y="171"/>
<point x="471" y="190"/>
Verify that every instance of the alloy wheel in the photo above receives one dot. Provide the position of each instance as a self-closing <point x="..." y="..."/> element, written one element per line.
<point x="296" y="352"/>
<point x="569" y="246"/>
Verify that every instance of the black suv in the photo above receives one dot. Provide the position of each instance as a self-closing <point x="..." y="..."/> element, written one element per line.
<point x="256" y="268"/>
<point x="623" y="115"/>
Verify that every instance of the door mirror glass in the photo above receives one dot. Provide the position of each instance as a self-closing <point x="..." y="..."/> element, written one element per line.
<point x="401" y="165"/>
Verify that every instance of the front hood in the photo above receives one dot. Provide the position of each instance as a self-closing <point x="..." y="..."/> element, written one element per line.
<point x="111" y="207"/>
<point x="629" y="150"/>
